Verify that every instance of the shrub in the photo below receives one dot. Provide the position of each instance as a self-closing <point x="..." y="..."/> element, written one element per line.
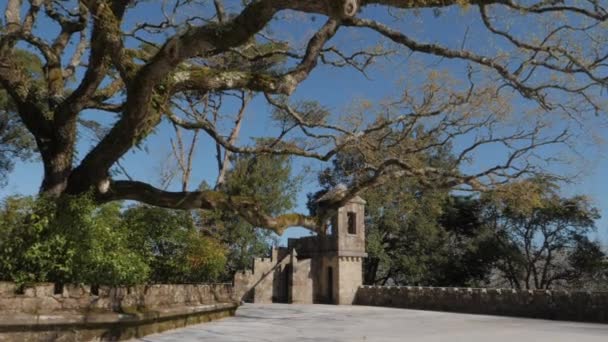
<point x="70" y="240"/>
<point x="175" y="249"/>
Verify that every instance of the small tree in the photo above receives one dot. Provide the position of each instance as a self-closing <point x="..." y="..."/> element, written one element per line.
<point x="544" y="235"/>
<point x="265" y="179"/>
<point x="472" y="249"/>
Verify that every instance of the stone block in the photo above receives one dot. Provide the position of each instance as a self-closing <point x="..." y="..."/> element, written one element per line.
<point x="72" y="304"/>
<point x="48" y="304"/>
<point x="178" y="295"/>
<point x="11" y="304"/>
<point x="30" y="305"/>
<point x="44" y="290"/>
<point x="104" y="291"/>
<point x="29" y="291"/>
<point x="76" y="291"/>
<point x="7" y="289"/>
<point x="102" y="303"/>
<point x="204" y="294"/>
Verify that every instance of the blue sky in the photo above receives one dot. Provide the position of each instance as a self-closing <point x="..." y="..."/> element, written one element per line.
<point x="337" y="89"/>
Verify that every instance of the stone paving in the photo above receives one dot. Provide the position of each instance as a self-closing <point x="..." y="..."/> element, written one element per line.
<point x="286" y="323"/>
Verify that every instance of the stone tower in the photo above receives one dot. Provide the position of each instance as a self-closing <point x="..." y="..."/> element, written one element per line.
<point x="312" y="269"/>
<point x="348" y="230"/>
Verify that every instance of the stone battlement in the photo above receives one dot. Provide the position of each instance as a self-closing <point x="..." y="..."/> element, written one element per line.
<point x="545" y="304"/>
<point x="44" y="312"/>
<point x="46" y="298"/>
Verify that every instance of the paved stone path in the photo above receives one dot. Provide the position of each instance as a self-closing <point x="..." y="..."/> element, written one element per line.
<point x="307" y="323"/>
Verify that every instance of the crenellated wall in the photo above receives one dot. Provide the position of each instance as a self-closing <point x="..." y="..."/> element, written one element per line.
<point x="545" y="304"/>
<point x="45" y="298"/>
<point x="265" y="283"/>
<point x="78" y="313"/>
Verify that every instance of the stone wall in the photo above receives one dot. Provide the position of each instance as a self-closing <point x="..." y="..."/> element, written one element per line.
<point x="350" y="275"/>
<point x="556" y="305"/>
<point x="81" y="313"/>
<point x="266" y="282"/>
<point x="45" y="298"/>
<point x="301" y="289"/>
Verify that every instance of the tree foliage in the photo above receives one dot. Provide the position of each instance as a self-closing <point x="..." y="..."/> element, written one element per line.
<point x="81" y="244"/>
<point x="415" y="234"/>
<point x="16" y="142"/>
<point x="266" y="179"/>
<point x="86" y="243"/>
<point x="472" y="250"/>
<point x="545" y="236"/>
<point x="173" y="247"/>
<point x="521" y="235"/>
<point x="75" y="240"/>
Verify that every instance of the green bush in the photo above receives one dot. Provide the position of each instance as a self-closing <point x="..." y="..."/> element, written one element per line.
<point x="70" y="240"/>
<point x="74" y="240"/>
<point x="29" y="250"/>
<point x="175" y="249"/>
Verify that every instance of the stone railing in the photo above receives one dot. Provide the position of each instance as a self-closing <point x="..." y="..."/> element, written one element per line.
<point x="82" y="313"/>
<point x="545" y="304"/>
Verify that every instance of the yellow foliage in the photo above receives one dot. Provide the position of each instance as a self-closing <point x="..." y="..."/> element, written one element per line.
<point x="523" y="196"/>
<point x="205" y="252"/>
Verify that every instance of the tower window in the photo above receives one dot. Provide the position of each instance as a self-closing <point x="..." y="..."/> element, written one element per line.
<point x="352" y="223"/>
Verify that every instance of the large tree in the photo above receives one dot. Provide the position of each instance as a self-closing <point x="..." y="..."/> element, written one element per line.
<point x="181" y="65"/>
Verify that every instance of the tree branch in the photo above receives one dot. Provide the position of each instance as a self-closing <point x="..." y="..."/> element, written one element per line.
<point x="207" y="200"/>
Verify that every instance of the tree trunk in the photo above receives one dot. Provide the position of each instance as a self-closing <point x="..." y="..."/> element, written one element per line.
<point x="57" y="158"/>
<point x="57" y="168"/>
<point x="370" y="271"/>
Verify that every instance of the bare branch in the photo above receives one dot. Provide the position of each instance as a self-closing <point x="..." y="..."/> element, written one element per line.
<point x="225" y="163"/>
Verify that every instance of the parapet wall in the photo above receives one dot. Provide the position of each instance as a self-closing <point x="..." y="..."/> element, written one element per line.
<point x="264" y="284"/>
<point x="544" y="304"/>
<point x="44" y="298"/>
<point x="79" y="313"/>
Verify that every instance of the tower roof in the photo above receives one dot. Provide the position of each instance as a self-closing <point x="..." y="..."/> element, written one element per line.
<point x="357" y="200"/>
